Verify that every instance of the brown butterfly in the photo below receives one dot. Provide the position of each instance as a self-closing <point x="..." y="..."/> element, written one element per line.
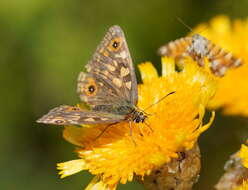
<point x="109" y="87"/>
<point x="199" y="47"/>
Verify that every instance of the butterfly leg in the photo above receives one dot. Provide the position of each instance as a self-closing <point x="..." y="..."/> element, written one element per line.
<point x="104" y="130"/>
<point x="131" y="132"/>
<point x="148" y="126"/>
<point x="140" y="131"/>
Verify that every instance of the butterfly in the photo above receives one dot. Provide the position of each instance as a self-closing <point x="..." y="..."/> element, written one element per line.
<point x="198" y="47"/>
<point x="109" y="87"/>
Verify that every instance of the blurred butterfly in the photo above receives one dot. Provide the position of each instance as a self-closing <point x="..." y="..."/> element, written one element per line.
<point x="198" y="47"/>
<point x="109" y="88"/>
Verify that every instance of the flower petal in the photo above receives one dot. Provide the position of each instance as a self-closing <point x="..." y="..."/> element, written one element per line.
<point x="168" y="66"/>
<point x="97" y="184"/>
<point x="71" y="167"/>
<point x="243" y="154"/>
<point x="148" y="72"/>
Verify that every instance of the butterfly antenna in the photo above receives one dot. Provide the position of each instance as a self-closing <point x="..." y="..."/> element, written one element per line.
<point x="131" y="133"/>
<point x="161" y="99"/>
<point x="190" y="28"/>
<point x="183" y="23"/>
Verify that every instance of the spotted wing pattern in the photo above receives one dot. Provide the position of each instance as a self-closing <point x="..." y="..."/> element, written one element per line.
<point x="111" y="68"/>
<point x="69" y="115"/>
<point x="176" y="48"/>
<point x="109" y="87"/>
<point x="199" y="47"/>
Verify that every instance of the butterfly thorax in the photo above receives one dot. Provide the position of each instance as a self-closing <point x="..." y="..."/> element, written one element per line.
<point x="137" y="116"/>
<point x="199" y="45"/>
<point x="126" y="109"/>
<point x="199" y="48"/>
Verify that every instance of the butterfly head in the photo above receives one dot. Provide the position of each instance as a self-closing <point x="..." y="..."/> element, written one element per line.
<point x="199" y="45"/>
<point x="139" y="117"/>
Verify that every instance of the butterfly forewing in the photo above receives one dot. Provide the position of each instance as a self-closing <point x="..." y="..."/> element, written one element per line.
<point x="69" y="115"/>
<point x="113" y="64"/>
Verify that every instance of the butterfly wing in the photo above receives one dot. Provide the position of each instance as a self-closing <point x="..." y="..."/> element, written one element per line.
<point x="199" y="47"/>
<point x="111" y="71"/>
<point x="176" y="49"/>
<point x="221" y="60"/>
<point x="69" y="115"/>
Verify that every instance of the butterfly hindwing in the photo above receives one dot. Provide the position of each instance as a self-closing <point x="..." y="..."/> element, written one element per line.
<point x="70" y="115"/>
<point x="113" y="64"/>
<point x="221" y="60"/>
<point x="96" y="91"/>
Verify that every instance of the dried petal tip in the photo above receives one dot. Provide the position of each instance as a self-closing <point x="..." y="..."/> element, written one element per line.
<point x="236" y="172"/>
<point x="180" y="174"/>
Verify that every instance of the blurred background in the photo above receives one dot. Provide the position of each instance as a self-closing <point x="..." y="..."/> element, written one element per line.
<point x="45" y="44"/>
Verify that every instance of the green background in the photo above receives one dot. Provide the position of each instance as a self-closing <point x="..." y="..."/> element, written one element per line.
<point x="45" y="44"/>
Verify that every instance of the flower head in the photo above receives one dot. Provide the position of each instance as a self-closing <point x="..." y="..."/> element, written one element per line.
<point x="233" y="89"/>
<point x="173" y="125"/>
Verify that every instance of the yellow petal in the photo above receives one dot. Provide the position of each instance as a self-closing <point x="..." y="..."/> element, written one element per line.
<point x="71" y="167"/>
<point x="74" y="135"/>
<point x="243" y="154"/>
<point x="97" y="184"/>
<point x="168" y="66"/>
<point x="148" y="72"/>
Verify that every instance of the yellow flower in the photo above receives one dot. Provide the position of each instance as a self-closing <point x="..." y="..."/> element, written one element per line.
<point x="174" y="125"/>
<point x="233" y="89"/>
<point x="243" y="154"/>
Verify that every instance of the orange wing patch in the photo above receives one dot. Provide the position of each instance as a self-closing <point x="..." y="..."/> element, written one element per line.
<point x="90" y="88"/>
<point x="115" y="44"/>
